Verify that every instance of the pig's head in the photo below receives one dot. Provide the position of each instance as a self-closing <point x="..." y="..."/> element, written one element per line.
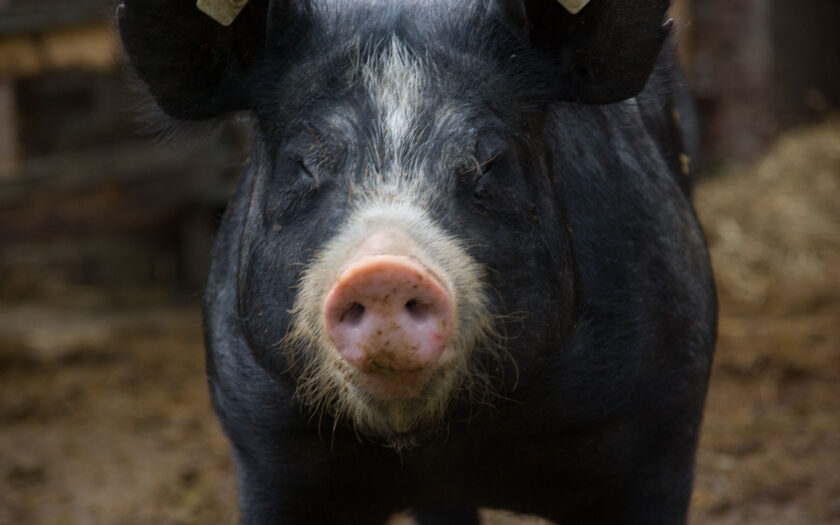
<point x="404" y="232"/>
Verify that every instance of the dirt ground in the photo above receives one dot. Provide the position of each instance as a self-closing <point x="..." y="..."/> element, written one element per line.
<point x="104" y="415"/>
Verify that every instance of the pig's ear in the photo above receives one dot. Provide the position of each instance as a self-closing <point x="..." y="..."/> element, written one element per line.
<point x="195" y="67"/>
<point x="607" y="49"/>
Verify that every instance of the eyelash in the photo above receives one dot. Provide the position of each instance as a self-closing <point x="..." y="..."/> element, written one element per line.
<point x="305" y="169"/>
<point x="485" y="166"/>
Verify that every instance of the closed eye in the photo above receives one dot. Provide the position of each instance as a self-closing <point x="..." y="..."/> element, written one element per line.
<point x="485" y="166"/>
<point x="297" y="175"/>
<point x="304" y="170"/>
<point x="482" y="174"/>
<point x="476" y="170"/>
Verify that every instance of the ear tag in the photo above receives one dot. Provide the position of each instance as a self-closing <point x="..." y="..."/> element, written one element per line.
<point x="222" y="11"/>
<point x="573" y="6"/>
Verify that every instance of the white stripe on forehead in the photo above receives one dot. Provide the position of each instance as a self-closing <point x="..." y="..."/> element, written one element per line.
<point x="396" y="79"/>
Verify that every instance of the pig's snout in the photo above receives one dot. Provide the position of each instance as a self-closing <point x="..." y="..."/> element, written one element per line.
<point x="391" y="319"/>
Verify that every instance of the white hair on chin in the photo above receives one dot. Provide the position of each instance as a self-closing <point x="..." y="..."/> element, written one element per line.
<point x="328" y="385"/>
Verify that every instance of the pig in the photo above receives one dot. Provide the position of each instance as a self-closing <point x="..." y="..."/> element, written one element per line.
<point x="461" y="269"/>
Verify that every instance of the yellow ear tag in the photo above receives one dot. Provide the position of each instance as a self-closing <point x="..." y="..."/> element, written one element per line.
<point x="222" y="11"/>
<point x="573" y="6"/>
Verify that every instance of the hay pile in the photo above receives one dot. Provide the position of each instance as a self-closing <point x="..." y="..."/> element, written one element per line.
<point x="770" y="442"/>
<point x="774" y="229"/>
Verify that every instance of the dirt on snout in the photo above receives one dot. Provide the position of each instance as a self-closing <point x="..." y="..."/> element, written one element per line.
<point x="105" y="418"/>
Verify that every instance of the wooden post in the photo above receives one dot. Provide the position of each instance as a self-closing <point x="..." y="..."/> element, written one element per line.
<point x="681" y="12"/>
<point x="8" y="130"/>
<point x="732" y="73"/>
<point x="807" y="45"/>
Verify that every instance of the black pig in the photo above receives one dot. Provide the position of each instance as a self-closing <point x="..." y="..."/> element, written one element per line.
<point x="461" y="270"/>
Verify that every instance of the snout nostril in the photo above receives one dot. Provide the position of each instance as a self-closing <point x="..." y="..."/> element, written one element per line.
<point x="352" y="315"/>
<point x="391" y="320"/>
<point x="416" y="309"/>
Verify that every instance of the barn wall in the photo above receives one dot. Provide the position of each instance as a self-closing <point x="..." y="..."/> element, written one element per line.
<point x="85" y="196"/>
<point x="807" y="59"/>
<point x="758" y="67"/>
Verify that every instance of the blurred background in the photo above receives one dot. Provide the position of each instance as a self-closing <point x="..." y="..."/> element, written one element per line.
<point x="105" y="234"/>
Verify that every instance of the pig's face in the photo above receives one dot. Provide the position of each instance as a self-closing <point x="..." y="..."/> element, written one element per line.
<point x="403" y="237"/>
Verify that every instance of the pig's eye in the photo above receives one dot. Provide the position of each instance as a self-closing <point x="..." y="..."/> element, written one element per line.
<point x="304" y="171"/>
<point x="484" y="171"/>
<point x="474" y="172"/>
<point x="498" y="186"/>
<point x="298" y="173"/>
<point x="291" y="190"/>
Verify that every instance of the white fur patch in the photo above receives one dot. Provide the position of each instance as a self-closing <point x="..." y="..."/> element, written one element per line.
<point x="395" y="81"/>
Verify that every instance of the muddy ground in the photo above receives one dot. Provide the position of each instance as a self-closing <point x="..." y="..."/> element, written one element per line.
<point x="104" y="415"/>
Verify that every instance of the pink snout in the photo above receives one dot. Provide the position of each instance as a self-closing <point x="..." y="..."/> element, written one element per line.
<point x="391" y="319"/>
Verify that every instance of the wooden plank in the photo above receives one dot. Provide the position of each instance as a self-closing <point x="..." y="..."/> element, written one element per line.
<point x="33" y="16"/>
<point x="79" y="172"/>
<point x="143" y="208"/>
<point x="92" y="48"/>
